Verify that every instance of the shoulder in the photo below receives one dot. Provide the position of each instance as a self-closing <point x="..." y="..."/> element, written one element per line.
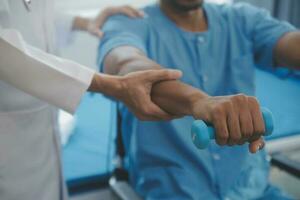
<point x="248" y="10"/>
<point x="122" y="22"/>
<point x="236" y="9"/>
<point x="242" y="16"/>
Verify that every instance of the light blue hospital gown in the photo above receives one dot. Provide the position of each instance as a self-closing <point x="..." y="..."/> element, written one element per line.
<point x="162" y="160"/>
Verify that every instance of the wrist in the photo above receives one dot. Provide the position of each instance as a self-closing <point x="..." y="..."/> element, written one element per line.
<point x="107" y="85"/>
<point x="195" y="102"/>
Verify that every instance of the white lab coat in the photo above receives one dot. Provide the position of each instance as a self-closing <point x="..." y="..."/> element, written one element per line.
<point x="32" y="80"/>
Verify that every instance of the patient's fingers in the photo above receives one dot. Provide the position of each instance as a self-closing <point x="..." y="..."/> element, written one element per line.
<point x="233" y="128"/>
<point x="221" y="128"/>
<point x="258" y="121"/>
<point x="256" y="145"/>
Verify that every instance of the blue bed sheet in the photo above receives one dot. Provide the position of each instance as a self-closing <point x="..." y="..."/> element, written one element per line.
<point x="282" y="96"/>
<point x="90" y="149"/>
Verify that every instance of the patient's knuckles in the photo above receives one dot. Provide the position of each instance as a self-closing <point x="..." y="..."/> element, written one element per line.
<point x="253" y="102"/>
<point x="218" y="112"/>
<point x="227" y="104"/>
<point x="239" y="99"/>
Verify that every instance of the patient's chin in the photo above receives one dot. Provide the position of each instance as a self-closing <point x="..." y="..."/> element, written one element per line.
<point x="187" y="5"/>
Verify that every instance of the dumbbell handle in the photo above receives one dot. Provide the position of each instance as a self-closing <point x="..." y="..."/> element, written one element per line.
<point x="203" y="133"/>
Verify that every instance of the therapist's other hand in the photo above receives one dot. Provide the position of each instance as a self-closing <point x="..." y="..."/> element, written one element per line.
<point x="93" y="26"/>
<point x="136" y="93"/>
<point x="134" y="90"/>
<point x="237" y="119"/>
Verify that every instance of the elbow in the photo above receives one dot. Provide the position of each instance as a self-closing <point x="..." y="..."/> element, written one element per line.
<point x="117" y="61"/>
<point x="111" y="65"/>
<point x="107" y="70"/>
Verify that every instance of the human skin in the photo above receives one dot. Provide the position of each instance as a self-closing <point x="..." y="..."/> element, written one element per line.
<point x="94" y="25"/>
<point x="134" y="90"/>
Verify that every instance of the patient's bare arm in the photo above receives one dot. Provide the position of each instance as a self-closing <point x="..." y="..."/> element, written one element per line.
<point x="287" y="50"/>
<point x="237" y="119"/>
<point x="124" y="60"/>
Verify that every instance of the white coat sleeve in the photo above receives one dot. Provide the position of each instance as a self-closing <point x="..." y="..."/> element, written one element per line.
<point x="57" y="81"/>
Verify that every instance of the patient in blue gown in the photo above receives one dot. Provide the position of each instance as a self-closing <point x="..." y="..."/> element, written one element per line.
<point x="161" y="159"/>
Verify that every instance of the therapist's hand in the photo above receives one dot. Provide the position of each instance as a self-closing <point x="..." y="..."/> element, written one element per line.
<point x="237" y="119"/>
<point x="136" y="93"/>
<point x="93" y="26"/>
<point x="134" y="90"/>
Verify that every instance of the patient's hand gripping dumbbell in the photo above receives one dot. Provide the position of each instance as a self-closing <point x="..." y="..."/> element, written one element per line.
<point x="202" y="133"/>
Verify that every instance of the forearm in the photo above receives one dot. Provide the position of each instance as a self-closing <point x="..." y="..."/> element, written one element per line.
<point x="230" y="115"/>
<point x="174" y="97"/>
<point x="287" y="51"/>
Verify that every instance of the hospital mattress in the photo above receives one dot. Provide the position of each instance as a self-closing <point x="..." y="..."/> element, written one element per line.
<point x="281" y="94"/>
<point x="90" y="149"/>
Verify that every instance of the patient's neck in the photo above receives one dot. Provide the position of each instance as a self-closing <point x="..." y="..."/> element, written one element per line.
<point x="194" y="20"/>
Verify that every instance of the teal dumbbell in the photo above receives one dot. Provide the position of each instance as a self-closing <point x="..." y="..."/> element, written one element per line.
<point x="202" y="133"/>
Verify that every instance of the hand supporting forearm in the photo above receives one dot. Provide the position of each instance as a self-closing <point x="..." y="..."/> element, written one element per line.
<point x="237" y="119"/>
<point x="174" y="97"/>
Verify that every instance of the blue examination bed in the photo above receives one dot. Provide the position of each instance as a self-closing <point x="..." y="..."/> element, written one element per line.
<point x="91" y="148"/>
<point x="281" y="95"/>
